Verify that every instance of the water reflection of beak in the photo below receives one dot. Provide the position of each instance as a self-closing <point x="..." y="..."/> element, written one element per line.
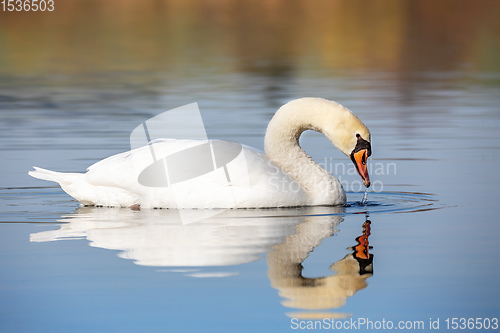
<point x="359" y="159"/>
<point x="361" y="251"/>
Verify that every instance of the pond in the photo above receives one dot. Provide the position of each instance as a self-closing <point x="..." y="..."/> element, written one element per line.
<point x="423" y="76"/>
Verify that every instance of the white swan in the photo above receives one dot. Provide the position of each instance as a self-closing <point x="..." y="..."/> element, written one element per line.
<point x="285" y="176"/>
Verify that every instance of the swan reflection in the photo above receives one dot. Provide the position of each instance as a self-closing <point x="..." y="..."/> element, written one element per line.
<point x="159" y="238"/>
<point x="324" y="293"/>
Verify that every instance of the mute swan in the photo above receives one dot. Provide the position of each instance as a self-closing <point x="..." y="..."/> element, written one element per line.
<point x="285" y="176"/>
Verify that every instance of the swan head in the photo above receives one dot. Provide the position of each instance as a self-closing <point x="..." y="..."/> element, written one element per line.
<point x="359" y="156"/>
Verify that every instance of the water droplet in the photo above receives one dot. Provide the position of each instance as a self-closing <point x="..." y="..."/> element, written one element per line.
<point x="365" y="198"/>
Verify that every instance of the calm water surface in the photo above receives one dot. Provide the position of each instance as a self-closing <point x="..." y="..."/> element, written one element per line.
<point x="423" y="247"/>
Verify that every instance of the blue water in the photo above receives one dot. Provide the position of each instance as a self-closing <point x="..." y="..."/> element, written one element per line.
<point x="433" y="226"/>
<point x="429" y="252"/>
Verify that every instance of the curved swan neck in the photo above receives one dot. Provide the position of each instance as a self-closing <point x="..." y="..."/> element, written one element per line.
<point x="335" y="121"/>
<point x="282" y="145"/>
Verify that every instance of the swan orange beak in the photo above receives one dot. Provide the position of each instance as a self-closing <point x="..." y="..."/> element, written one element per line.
<point x="359" y="159"/>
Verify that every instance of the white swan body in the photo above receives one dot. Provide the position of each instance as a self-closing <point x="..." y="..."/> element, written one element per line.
<point x="285" y="176"/>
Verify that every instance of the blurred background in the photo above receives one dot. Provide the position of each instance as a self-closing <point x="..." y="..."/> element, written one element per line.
<point x="119" y="62"/>
<point x="274" y="37"/>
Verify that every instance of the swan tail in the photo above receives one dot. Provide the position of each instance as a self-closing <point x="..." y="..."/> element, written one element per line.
<point x="77" y="186"/>
<point x="53" y="176"/>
